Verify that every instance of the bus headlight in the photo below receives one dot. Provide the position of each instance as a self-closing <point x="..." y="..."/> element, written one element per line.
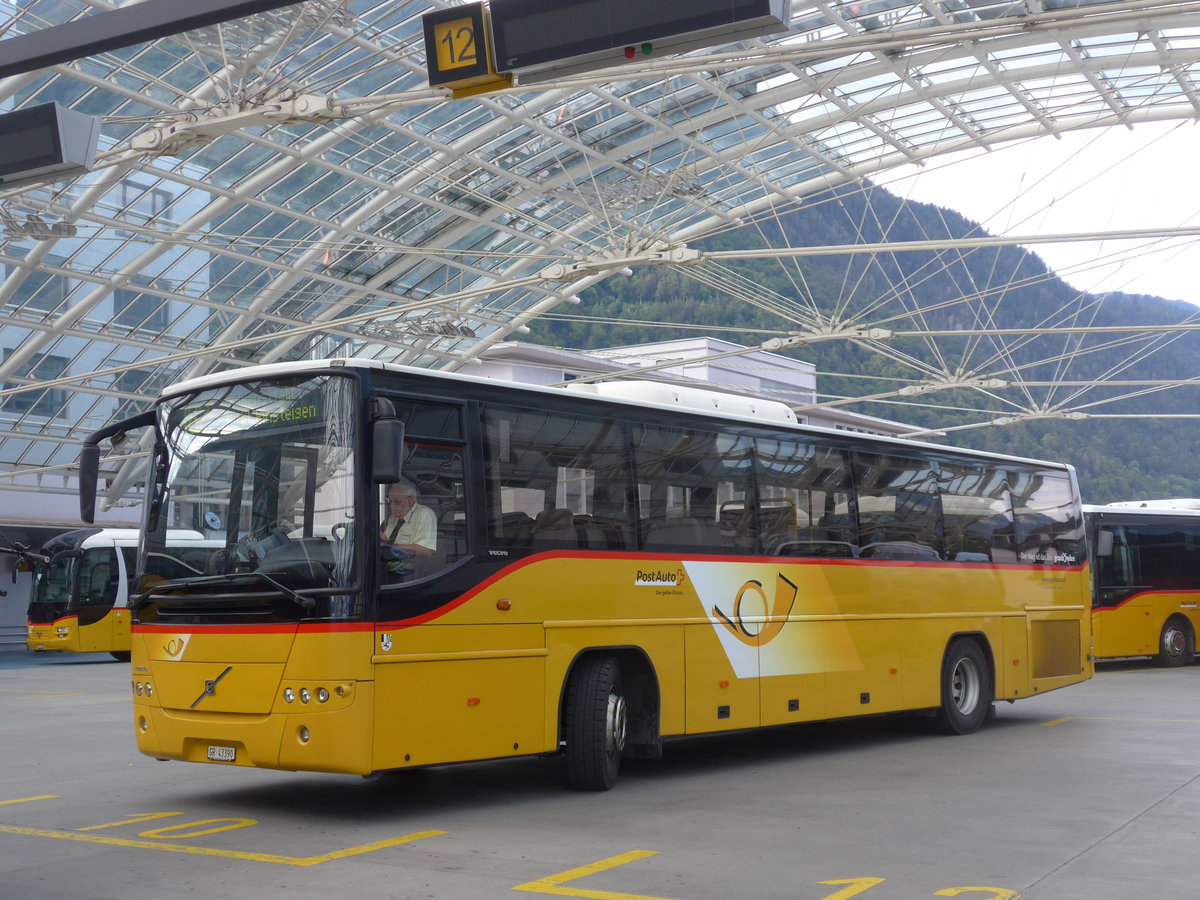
<point x="322" y="695"/>
<point x="305" y="696"/>
<point x="289" y="696"/>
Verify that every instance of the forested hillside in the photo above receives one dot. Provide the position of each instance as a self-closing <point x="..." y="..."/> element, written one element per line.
<point x="995" y="288"/>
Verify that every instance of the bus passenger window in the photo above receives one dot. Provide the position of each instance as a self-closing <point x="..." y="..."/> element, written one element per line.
<point x="1047" y="520"/>
<point x="899" y="511"/>
<point x="556" y="480"/>
<point x="804" y="499"/>
<point x="976" y="514"/>
<point x="694" y="488"/>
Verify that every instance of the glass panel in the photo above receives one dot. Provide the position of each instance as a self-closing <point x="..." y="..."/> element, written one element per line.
<point x="423" y="524"/>
<point x="556" y="480"/>
<point x="976" y="514"/>
<point x="899" y="516"/>
<point x="693" y="490"/>
<point x="1048" y="524"/>
<point x="266" y="468"/>
<point x="804" y="499"/>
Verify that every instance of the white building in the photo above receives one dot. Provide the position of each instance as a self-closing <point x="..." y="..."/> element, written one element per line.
<point x="696" y="362"/>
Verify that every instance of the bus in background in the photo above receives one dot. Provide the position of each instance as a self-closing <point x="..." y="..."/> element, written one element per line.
<point x="79" y="601"/>
<point x="421" y="568"/>
<point x="1147" y="579"/>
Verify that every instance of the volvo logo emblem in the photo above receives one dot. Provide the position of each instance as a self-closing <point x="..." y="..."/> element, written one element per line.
<point x="210" y="687"/>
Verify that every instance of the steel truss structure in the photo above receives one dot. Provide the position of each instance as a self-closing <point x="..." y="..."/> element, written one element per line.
<point x="288" y="186"/>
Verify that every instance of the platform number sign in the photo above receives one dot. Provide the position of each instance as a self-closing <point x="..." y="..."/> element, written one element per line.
<point x="457" y="43"/>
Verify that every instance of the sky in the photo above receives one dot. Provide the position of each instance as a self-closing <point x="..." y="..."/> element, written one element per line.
<point x="1097" y="180"/>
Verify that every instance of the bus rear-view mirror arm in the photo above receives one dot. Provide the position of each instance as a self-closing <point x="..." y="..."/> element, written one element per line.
<point x="387" y="443"/>
<point x="89" y="459"/>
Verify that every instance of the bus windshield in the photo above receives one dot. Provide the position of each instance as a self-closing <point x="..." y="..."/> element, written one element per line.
<point x="266" y="469"/>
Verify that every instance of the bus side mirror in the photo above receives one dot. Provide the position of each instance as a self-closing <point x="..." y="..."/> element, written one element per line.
<point x="1104" y="543"/>
<point x="387" y="444"/>
<point x="89" y="474"/>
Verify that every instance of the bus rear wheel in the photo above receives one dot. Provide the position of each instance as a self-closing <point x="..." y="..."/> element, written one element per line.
<point x="1176" y="643"/>
<point x="595" y="724"/>
<point x="966" y="688"/>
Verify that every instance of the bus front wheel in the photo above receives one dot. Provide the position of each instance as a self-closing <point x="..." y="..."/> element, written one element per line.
<point x="1176" y="643"/>
<point x="596" y="722"/>
<point x="966" y="688"/>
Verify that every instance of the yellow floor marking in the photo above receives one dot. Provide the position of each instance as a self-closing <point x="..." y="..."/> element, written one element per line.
<point x="28" y="799"/>
<point x="553" y="884"/>
<point x="1137" y="719"/>
<point x="855" y="887"/>
<point x="227" y="854"/>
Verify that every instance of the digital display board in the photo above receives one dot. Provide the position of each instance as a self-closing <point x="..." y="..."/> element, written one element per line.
<point x="29" y="139"/>
<point x="46" y="142"/>
<point x="562" y="36"/>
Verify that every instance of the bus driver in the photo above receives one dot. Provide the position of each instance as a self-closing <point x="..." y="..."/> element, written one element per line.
<point x="409" y="527"/>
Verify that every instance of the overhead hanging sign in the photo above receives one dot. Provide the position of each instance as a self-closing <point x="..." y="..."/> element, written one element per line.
<point x="458" y="50"/>
<point x="543" y="39"/>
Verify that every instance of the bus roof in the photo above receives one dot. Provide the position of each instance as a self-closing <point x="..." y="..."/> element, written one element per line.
<point x="735" y="409"/>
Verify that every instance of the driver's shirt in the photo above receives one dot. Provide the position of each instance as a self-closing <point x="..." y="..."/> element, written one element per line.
<point x="420" y="527"/>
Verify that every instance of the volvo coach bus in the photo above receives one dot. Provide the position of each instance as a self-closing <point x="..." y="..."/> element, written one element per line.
<point x="80" y="593"/>
<point x="1147" y="573"/>
<point x="421" y="568"/>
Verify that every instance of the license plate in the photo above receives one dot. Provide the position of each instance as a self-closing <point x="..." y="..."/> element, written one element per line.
<point x="218" y="753"/>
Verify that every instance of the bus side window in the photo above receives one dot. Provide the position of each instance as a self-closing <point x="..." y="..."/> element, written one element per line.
<point x="899" y="510"/>
<point x="556" y="480"/>
<point x="694" y="488"/>
<point x="976" y="514"/>
<point x="804" y="499"/>
<point x="98" y="580"/>
<point x="1047" y="522"/>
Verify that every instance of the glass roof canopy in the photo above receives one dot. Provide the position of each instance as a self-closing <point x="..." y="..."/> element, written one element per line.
<point x="287" y="186"/>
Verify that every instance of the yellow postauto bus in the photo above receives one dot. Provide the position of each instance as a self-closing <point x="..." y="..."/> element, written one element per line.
<point x="421" y="568"/>
<point x="79" y="601"/>
<point x="1147" y="572"/>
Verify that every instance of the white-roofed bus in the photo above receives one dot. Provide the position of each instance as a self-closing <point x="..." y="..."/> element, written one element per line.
<point x="1147" y="579"/>
<point x="583" y="573"/>
<point x="79" y="598"/>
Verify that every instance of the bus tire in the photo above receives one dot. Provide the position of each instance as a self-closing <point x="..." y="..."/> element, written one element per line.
<point x="595" y="724"/>
<point x="120" y="655"/>
<point x="966" y="688"/>
<point x="1176" y="643"/>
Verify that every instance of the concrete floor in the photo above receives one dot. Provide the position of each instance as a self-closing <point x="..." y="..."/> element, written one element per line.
<point x="1090" y="792"/>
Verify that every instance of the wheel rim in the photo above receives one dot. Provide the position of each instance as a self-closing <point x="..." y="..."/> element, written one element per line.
<point x="614" y="724"/>
<point x="1174" y="641"/>
<point x="964" y="686"/>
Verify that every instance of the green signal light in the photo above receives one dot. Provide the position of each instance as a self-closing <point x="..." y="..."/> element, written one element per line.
<point x="647" y="49"/>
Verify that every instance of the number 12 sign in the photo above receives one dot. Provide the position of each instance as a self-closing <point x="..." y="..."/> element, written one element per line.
<point x="457" y="45"/>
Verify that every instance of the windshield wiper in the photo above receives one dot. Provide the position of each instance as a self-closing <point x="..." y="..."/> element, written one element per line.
<point x="308" y="604"/>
